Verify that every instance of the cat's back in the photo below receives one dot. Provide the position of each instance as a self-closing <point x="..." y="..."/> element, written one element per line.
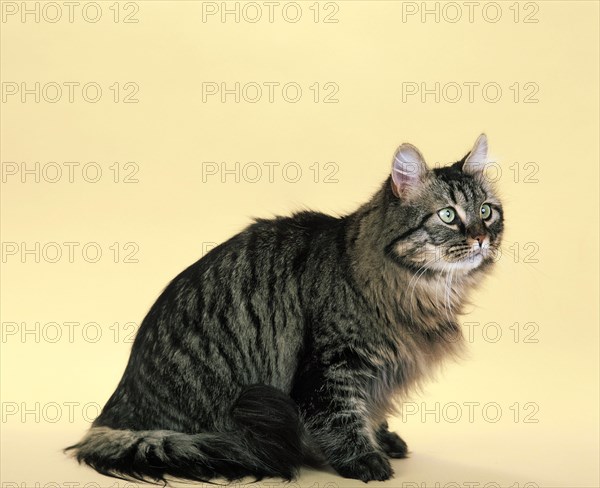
<point x="269" y="249"/>
<point x="239" y="311"/>
<point x="268" y="256"/>
<point x="265" y="247"/>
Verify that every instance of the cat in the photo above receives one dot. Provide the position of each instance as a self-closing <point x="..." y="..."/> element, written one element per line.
<point x="292" y="342"/>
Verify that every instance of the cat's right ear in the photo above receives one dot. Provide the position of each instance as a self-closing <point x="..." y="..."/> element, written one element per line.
<point x="408" y="170"/>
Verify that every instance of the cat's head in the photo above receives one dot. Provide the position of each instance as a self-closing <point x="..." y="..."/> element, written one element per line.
<point x="450" y="218"/>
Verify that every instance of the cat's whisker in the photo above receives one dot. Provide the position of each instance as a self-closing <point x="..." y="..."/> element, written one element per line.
<point x="516" y="259"/>
<point x="441" y="277"/>
<point x="416" y="278"/>
<point x="448" y="303"/>
<point x="447" y="294"/>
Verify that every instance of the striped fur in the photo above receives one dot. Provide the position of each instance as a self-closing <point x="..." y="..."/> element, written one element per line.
<point x="290" y="343"/>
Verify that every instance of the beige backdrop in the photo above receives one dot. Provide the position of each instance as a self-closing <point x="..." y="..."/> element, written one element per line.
<point x="136" y="135"/>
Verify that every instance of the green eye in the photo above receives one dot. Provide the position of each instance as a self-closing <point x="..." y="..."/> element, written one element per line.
<point x="447" y="215"/>
<point x="486" y="211"/>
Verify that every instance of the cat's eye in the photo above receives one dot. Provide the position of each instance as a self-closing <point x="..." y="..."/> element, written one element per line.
<point x="447" y="215"/>
<point x="486" y="211"/>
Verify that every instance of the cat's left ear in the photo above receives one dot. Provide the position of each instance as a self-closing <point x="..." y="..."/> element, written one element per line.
<point x="476" y="160"/>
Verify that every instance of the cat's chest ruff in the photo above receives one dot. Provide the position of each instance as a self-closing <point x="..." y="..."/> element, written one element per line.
<point x="405" y="362"/>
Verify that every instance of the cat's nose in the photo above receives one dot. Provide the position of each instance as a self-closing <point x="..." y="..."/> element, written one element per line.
<point x="479" y="238"/>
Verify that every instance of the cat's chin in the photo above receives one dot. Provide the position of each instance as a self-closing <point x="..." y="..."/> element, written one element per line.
<point x="464" y="266"/>
<point x="468" y="264"/>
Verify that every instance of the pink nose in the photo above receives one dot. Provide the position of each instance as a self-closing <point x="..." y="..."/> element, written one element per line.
<point x="478" y="238"/>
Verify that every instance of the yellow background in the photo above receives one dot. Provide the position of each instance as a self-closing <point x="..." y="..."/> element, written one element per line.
<point x="172" y="215"/>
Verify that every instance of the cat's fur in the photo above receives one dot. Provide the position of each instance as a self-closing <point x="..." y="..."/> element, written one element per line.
<point x="289" y="343"/>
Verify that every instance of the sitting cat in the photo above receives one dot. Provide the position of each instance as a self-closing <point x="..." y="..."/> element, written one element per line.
<point x="289" y="343"/>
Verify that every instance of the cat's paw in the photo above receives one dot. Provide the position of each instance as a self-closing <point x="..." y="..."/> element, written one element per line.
<point x="393" y="445"/>
<point x="373" y="466"/>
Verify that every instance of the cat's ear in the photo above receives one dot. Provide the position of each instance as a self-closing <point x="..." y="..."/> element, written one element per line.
<point x="476" y="160"/>
<point x="408" y="169"/>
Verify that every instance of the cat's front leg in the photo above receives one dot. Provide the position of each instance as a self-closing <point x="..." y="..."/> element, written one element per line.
<point x="391" y="443"/>
<point x="336" y="416"/>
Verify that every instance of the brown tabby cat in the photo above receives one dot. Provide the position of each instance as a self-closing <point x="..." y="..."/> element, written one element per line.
<point x="288" y="343"/>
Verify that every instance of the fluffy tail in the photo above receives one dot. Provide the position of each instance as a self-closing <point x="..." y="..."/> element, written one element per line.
<point x="269" y="442"/>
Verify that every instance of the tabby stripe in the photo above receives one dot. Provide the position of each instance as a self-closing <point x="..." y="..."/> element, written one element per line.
<point x="404" y="235"/>
<point x="273" y="299"/>
<point x="251" y="258"/>
<point x="233" y="339"/>
<point x="452" y="194"/>
<point x="235" y="378"/>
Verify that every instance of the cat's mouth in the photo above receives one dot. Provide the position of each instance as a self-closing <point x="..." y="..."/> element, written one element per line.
<point x="468" y="258"/>
<point x="461" y="258"/>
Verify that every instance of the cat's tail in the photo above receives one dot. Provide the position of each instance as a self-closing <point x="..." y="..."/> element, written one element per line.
<point x="269" y="442"/>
